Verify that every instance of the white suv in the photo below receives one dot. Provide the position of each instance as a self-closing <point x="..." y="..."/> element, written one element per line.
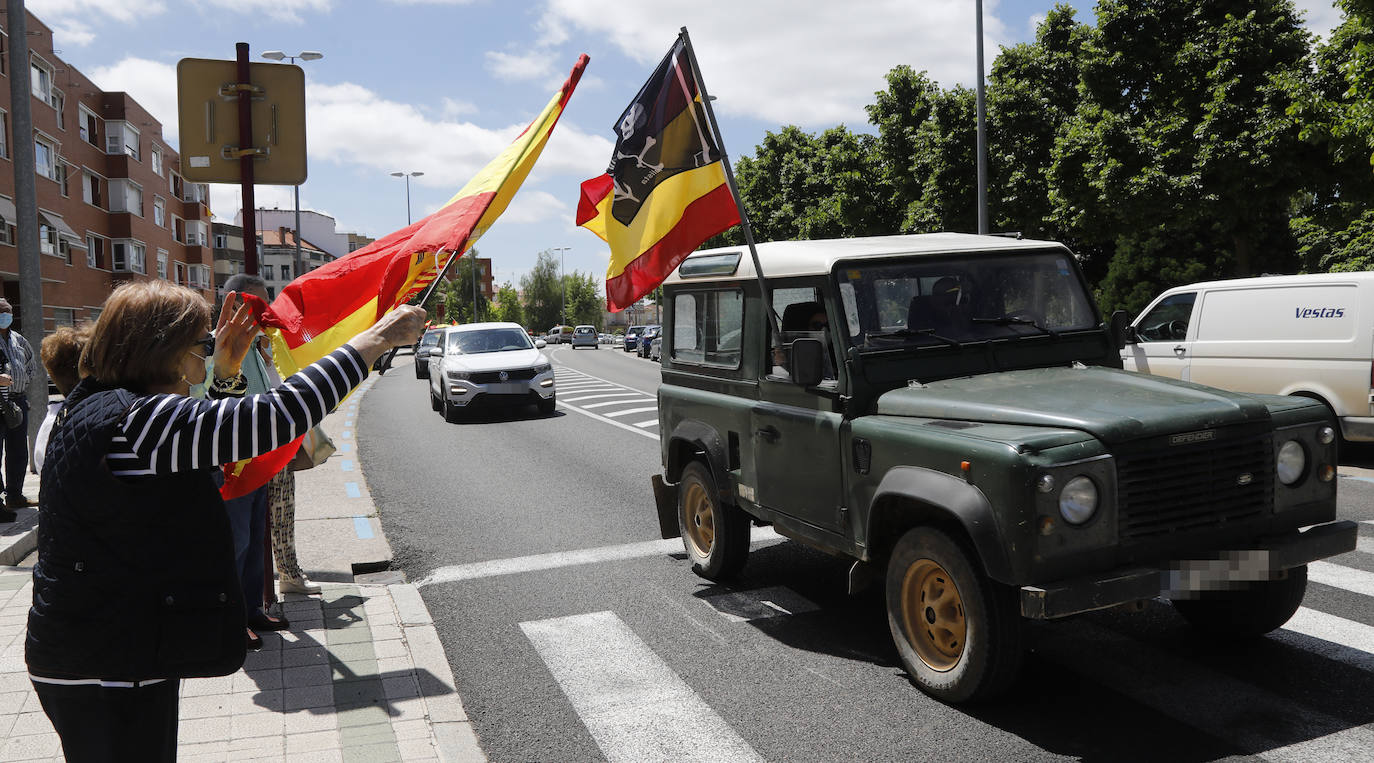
<point x="491" y="362"/>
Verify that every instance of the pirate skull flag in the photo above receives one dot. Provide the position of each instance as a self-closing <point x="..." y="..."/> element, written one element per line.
<point x="665" y="191"/>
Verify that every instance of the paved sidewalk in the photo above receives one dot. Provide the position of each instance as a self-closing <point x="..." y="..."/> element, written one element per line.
<point x="359" y="676"/>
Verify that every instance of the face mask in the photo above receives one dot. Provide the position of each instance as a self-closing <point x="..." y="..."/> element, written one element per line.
<point x="6" y="319"/>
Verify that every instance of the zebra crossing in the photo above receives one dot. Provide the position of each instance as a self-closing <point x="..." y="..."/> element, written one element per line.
<point x="606" y="401"/>
<point x="614" y="680"/>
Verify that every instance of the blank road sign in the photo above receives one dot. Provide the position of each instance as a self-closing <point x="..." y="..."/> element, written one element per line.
<point x="208" y="117"/>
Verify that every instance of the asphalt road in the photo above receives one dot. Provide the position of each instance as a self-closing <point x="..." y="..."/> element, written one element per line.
<point x="576" y="634"/>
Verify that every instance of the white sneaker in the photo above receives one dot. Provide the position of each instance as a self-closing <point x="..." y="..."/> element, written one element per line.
<point x="298" y="585"/>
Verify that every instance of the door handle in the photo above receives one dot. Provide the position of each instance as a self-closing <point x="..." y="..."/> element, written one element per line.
<point x="769" y="433"/>
<point x="1180" y="350"/>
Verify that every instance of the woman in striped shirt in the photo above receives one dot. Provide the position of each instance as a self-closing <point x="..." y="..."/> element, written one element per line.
<point x="134" y="586"/>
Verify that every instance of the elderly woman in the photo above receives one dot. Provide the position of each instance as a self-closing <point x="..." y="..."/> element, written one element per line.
<point x="135" y="585"/>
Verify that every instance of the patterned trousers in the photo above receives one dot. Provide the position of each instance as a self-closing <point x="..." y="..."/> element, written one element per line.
<point x="281" y="505"/>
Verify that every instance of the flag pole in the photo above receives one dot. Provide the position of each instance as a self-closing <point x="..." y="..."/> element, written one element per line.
<point x="730" y="181"/>
<point x="384" y="363"/>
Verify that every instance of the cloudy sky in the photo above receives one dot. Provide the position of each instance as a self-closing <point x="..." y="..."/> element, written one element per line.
<point x="441" y="86"/>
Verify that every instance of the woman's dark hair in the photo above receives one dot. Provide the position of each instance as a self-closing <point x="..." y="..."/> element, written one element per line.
<point x="61" y="354"/>
<point x="143" y="333"/>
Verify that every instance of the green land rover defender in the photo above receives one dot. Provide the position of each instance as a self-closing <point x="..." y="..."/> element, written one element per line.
<point x="949" y="411"/>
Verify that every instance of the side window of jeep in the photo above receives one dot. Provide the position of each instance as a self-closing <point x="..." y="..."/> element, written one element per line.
<point x="707" y="327"/>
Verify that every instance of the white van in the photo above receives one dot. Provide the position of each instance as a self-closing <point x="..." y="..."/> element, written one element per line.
<point x="1309" y="335"/>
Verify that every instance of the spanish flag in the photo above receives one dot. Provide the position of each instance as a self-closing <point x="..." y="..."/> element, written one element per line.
<point x="665" y="191"/>
<point x="320" y="310"/>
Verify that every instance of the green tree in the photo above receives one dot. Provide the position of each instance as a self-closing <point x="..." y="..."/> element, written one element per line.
<point x="459" y="294"/>
<point x="584" y="300"/>
<point x="508" y="307"/>
<point x="1181" y="155"/>
<point x="543" y="293"/>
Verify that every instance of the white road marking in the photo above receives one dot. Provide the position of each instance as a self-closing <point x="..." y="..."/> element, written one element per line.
<point x="632" y="410"/>
<point x="608" y="381"/>
<point x="649" y="423"/>
<point x="759" y="604"/>
<point x="455" y="573"/>
<point x="1340" y="576"/>
<point x="1254" y="719"/>
<point x="612" y="422"/>
<point x="634" y="705"/>
<point x="1365" y="545"/>
<point x="619" y="402"/>
<point x="1340" y="639"/>
<point x="600" y="395"/>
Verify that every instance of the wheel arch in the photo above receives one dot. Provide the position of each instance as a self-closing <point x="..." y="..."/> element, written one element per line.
<point x="910" y="496"/>
<point x="693" y="440"/>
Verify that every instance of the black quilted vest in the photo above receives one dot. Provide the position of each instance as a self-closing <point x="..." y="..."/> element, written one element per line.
<point x="135" y="579"/>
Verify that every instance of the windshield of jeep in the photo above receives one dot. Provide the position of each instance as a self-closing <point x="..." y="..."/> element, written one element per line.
<point x="950" y="301"/>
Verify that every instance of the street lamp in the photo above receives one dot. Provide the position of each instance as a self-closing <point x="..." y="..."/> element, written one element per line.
<point x="407" y="176"/>
<point x="563" y="279"/>
<point x="305" y="55"/>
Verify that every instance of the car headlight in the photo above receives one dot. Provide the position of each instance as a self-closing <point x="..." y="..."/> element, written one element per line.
<point x="1292" y="462"/>
<point x="542" y="367"/>
<point x="459" y="375"/>
<point x="1078" y="500"/>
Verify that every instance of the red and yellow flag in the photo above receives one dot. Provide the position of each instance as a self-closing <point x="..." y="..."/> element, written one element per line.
<point x="320" y="310"/>
<point x="665" y="191"/>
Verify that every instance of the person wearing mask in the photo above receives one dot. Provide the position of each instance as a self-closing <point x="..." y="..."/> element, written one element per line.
<point x="16" y="372"/>
<point x="277" y="498"/>
<point x="135" y="586"/>
<point x="61" y="355"/>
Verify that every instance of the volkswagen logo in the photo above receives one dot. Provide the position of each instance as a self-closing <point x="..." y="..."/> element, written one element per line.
<point x="504" y="376"/>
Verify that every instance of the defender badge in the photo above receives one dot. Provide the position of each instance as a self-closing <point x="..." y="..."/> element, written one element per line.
<point x="1189" y="438"/>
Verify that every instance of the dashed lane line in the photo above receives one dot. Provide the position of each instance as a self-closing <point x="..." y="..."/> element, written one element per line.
<point x="603" y="395"/>
<point x="649" y="423"/>
<point x="615" y="414"/>
<point x="618" y="402"/>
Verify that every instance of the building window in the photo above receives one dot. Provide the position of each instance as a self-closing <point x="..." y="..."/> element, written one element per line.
<point x="64" y="249"/>
<point x="4" y="134"/>
<point x="90" y="190"/>
<point x="6" y="231"/>
<point x="128" y="257"/>
<point x="63" y="317"/>
<point x="47" y="239"/>
<point x="126" y="196"/>
<point x="59" y="102"/>
<point x="156" y="160"/>
<point x="41" y="80"/>
<point x="121" y="138"/>
<point x="286" y="272"/>
<point x="90" y="125"/>
<point x="221" y="241"/>
<point x="195" y="233"/>
<point x="95" y="312"/>
<point x="95" y="251"/>
<point x="45" y="158"/>
<point x="159" y="212"/>
<point x="64" y="172"/>
<point x="181" y="273"/>
<point x="162" y="263"/>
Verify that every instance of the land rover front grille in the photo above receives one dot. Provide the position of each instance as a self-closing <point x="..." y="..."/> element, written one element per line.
<point x="1167" y="488"/>
<point x="493" y="377"/>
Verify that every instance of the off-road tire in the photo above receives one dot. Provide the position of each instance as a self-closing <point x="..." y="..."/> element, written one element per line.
<point x="715" y="535"/>
<point x="1246" y="613"/>
<point x="965" y="643"/>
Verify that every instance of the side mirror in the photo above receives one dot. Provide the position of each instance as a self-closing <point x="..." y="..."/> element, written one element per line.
<point x="1123" y="332"/>
<point x="435" y="352"/>
<point x="540" y="344"/>
<point x="808" y="362"/>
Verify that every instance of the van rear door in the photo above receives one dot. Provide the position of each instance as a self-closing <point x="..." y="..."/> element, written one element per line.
<point x="1164" y="330"/>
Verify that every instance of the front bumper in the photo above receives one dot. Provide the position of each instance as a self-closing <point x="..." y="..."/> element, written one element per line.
<point x="464" y="392"/>
<point x="1186" y="578"/>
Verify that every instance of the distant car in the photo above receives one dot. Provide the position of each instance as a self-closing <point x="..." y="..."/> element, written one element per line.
<point x="422" y="348"/>
<point x="632" y="337"/>
<point x="584" y="336"/>
<point x="656" y="348"/>
<point x="489" y="362"/>
<point x="645" y="338"/>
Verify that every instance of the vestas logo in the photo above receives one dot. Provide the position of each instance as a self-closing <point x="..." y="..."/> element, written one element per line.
<point x="1318" y="312"/>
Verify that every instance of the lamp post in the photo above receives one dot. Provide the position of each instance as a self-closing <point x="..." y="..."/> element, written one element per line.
<point x="305" y="55"/>
<point x="563" y="282"/>
<point x="407" y="176"/>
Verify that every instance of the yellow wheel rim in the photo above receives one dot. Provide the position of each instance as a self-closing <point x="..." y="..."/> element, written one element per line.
<point x="933" y="615"/>
<point x="698" y="518"/>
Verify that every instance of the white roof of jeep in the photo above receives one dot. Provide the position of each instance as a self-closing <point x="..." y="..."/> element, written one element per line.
<point x="782" y="259"/>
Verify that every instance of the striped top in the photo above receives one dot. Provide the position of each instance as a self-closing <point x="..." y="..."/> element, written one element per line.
<point x="168" y="433"/>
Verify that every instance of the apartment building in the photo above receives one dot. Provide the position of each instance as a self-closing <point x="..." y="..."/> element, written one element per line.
<point x="112" y="205"/>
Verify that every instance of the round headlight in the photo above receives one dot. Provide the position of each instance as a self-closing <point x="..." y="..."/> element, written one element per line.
<point x="1292" y="462"/>
<point x="1078" y="500"/>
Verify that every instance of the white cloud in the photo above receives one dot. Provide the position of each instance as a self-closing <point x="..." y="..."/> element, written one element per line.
<point x="451" y="108"/>
<point x="532" y="65"/>
<point x="1321" y="15"/>
<point x="531" y="206"/>
<point x="152" y="83"/>
<point x="71" y="20"/>
<point x="226" y="200"/>
<point x="285" y="11"/>
<point x="812" y="64"/>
